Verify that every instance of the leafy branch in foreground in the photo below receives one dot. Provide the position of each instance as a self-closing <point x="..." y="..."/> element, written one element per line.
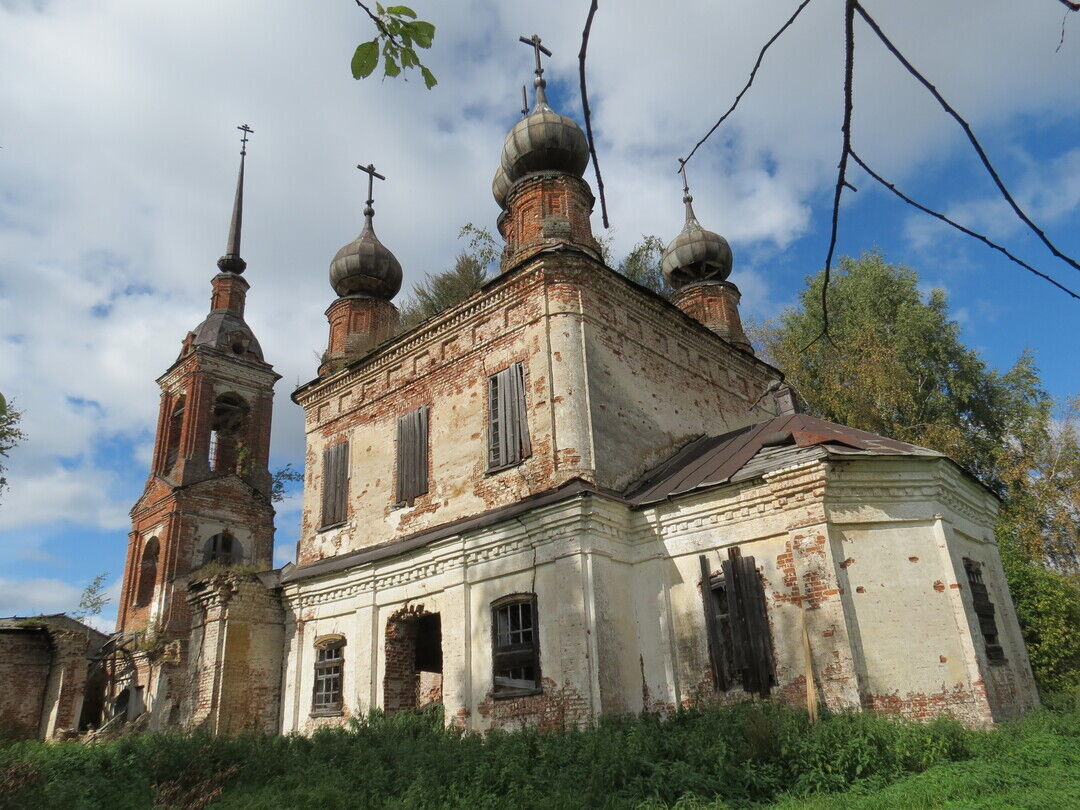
<point x="399" y="35"/>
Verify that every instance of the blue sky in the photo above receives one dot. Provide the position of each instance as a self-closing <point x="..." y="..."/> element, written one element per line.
<point x="117" y="126"/>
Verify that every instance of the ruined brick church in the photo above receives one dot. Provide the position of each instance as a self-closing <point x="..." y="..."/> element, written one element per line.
<point x="565" y="496"/>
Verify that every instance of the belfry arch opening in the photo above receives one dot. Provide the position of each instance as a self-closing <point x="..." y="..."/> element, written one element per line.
<point x="172" y="438"/>
<point x="228" y="427"/>
<point x="413" y="650"/>
<point x="223" y="548"/>
<point x="148" y="562"/>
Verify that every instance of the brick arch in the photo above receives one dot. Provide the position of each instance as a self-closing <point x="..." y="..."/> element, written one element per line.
<point x="148" y="563"/>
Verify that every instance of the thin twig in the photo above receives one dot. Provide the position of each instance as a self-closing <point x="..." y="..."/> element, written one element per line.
<point x="585" y="110"/>
<point x="1061" y="41"/>
<point x="967" y="131"/>
<point x="379" y="24"/>
<point x="749" y="81"/>
<point x="841" y="174"/>
<point x="957" y="225"/>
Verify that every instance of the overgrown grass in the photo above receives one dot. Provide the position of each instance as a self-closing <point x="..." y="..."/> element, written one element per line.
<point x="743" y="756"/>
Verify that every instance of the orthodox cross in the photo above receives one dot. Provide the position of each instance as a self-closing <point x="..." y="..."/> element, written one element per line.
<point x="372" y="174"/>
<point x="534" y="42"/>
<point x="243" y="141"/>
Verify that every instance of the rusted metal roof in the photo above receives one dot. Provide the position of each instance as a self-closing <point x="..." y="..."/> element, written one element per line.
<point x="756" y="449"/>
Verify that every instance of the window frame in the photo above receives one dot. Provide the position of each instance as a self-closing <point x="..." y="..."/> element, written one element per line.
<point x="332" y="515"/>
<point x="323" y="646"/>
<point x="527" y="654"/>
<point x="420" y="433"/>
<point x="507" y="419"/>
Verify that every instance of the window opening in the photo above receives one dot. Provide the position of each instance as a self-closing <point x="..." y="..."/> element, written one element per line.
<point x="412" y="456"/>
<point x="144" y="590"/>
<point x="335" y="484"/>
<point x="737" y="626"/>
<point x="172" y="439"/>
<point x="329" y="677"/>
<point x="414" y="660"/>
<point x="223" y="548"/>
<point x="984" y="610"/>
<point x="515" y="646"/>
<point x="228" y="428"/>
<point x="508" y="429"/>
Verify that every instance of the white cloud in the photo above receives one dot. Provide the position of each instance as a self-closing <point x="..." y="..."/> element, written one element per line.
<point x="119" y="160"/>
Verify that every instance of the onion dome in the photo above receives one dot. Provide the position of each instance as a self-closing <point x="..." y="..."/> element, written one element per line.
<point x="543" y="140"/>
<point x="365" y="265"/>
<point x="500" y="187"/>
<point x="227" y="332"/>
<point x="695" y="254"/>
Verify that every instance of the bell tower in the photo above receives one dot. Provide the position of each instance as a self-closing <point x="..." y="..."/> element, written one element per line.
<point x="207" y="498"/>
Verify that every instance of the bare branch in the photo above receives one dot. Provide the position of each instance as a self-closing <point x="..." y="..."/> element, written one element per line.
<point x="841" y="173"/>
<point x="585" y="109"/>
<point x="957" y="225"/>
<point x="967" y="131"/>
<point x="749" y="81"/>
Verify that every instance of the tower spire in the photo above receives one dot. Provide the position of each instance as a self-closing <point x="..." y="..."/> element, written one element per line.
<point x="687" y="198"/>
<point x="231" y="261"/>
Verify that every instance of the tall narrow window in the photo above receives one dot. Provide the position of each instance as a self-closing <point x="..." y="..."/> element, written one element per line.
<point x="984" y="609"/>
<point x="228" y="429"/>
<point x="508" y="429"/>
<point x="737" y="623"/>
<point x="172" y="439"/>
<point x="329" y="676"/>
<point x="144" y="590"/>
<point x="223" y="548"/>
<point x="412" y="455"/>
<point x="335" y="484"/>
<point x="515" y="645"/>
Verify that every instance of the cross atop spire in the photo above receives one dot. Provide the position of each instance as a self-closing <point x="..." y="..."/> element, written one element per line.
<point x="231" y="261"/>
<point x="687" y="197"/>
<point x="535" y="43"/>
<point x="369" y="210"/>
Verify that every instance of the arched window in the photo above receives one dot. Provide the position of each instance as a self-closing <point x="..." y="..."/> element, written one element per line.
<point x="228" y="427"/>
<point x="223" y="548"/>
<point x="144" y="590"/>
<point x="329" y="675"/>
<point x="172" y="437"/>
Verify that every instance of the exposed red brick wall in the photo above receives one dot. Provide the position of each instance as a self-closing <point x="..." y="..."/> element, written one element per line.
<point x="545" y="209"/>
<point x="557" y="707"/>
<point x="715" y="304"/>
<point x="358" y="323"/>
<point x="25" y="657"/>
<point x="229" y="292"/>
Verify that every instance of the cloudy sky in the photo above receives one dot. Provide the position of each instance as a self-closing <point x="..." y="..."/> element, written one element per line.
<point x="119" y="150"/>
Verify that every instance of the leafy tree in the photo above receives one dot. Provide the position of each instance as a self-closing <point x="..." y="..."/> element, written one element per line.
<point x="398" y="35"/>
<point x="93" y="598"/>
<point x="10" y="435"/>
<point x="440" y="291"/>
<point x="642" y="265"/>
<point x="280" y="477"/>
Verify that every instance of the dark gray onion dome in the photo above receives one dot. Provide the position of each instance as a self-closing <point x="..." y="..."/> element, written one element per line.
<point x="695" y="254"/>
<point x="544" y="141"/>
<point x="366" y="266"/>
<point x="224" y="331"/>
<point x="500" y="187"/>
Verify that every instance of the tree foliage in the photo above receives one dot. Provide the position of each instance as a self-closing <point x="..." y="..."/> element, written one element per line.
<point x="439" y="291"/>
<point x="642" y="265"/>
<point x="280" y="478"/>
<point x="10" y="436"/>
<point x="93" y="598"/>
<point x="398" y="35"/>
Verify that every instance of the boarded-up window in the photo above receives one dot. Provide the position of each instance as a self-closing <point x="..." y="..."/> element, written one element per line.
<point x="515" y="638"/>
<point x="984" y="610"/>
<point x="740" y="642"/>
<point x="329" y="676"/>
<point x="412" y="455"/>
<point x="335" y="484"/>
<point x="508" y="429"/>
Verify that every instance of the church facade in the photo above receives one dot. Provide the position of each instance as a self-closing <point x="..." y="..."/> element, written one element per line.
<point x="563" y="497"/>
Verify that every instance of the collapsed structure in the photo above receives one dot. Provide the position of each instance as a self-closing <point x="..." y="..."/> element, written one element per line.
<point x="562" y="497"/>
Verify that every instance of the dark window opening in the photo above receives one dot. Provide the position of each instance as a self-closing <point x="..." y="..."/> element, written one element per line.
<point x="223" y="548"/>
<point x="172" y="438"/>
<point x="414" y="661"/>
<point x="228" y="428"/>
<point x="329" y="677"/>
<point x="737" y="626"/>
<point x="144" y="588"/>
<point x="335" y="484"/>
<point x="508" y="429"/>
<point x="412" y="456"/>
<point x="515" y="646"/>
<point x="984" y="610"/>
